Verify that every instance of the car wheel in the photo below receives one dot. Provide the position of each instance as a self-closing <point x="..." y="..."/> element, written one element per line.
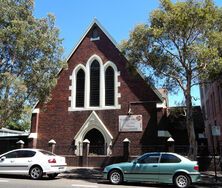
<point x="115" y="177"/>
<point x="52" y="176"/>
<point x="36" y="172"/>
<point x="182" y="180"/>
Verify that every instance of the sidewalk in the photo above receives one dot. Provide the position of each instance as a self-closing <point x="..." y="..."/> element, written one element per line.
<point x="208" y="177"/>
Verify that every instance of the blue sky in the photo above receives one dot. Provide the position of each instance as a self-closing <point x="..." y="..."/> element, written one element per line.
<point x="118" y="17"/>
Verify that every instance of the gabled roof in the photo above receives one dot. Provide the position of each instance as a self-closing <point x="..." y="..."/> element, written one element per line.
<point x="155" y="90"/>
<point x="93" y="121"/>
<point x="95" y="21"/>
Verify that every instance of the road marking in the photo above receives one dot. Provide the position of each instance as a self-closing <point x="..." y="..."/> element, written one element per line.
<point x="4" y="181"/>
<point x="89" y="186"/>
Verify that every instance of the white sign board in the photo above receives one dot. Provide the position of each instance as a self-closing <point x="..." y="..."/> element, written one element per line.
<point x="130" y="123"/>
<point x="215" y="130"/>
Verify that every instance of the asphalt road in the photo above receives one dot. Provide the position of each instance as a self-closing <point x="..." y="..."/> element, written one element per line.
<point x="63" y="182"/>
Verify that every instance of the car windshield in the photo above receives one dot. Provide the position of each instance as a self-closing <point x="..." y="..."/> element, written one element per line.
<point x="136" y="159"/>
<point x="47" y="152"/>
<point x="148" y="158"/>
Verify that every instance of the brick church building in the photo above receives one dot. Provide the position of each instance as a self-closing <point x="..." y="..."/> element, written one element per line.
<point x="99" y="98"/>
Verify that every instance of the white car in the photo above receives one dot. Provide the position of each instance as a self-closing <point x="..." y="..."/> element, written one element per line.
<point x="32" y="162"/>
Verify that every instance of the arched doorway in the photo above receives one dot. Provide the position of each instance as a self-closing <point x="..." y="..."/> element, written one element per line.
<point x="97" y="133"/>
<point x="97" y="142"/>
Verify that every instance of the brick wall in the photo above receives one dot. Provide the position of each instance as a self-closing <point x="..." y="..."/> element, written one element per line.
<point x="211" y="103"/>
<point x="56" y="122"/>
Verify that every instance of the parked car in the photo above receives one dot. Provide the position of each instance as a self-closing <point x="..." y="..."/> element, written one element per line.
<point x="162" y="167"/>
<point x="32" y="162"/>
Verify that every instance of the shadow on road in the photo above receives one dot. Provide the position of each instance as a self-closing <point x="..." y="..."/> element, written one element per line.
<point x="27" y="177"/>
<point x="90" y="175"/>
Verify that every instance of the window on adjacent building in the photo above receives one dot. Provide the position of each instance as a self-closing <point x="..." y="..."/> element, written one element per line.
<point x="80" y="88"/>
<point x="109" y="86"/>
<point x="95" y="83"/>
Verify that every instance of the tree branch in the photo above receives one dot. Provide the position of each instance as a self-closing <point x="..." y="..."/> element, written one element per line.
<point x="181" y="59"/>
<point x="178" y="80"/>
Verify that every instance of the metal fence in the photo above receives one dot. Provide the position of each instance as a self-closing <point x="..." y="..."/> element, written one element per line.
<point x="118" y="149"/>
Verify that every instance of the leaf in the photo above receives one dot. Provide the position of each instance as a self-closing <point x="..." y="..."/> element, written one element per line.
<point x="30" y="58"/>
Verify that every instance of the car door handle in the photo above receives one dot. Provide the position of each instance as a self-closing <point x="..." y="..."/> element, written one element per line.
<point x="29" y="160"/>
<point x="12" y="161"/>
<point x="155" y="165"/>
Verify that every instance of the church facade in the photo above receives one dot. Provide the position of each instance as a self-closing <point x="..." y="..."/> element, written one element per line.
<point x="98" y="98"/>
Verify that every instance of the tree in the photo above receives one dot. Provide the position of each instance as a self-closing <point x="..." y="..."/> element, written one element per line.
<point x="181" y="44"/>
<point x="30" y="59"/>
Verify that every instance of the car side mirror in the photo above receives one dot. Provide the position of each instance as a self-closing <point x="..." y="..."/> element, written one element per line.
<point x="3" y="158"/>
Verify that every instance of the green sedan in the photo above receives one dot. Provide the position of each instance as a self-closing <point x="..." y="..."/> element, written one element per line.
<point x="162" y="167"/>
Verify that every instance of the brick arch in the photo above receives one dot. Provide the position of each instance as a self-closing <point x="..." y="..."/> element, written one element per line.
<point x="93" y="122"/>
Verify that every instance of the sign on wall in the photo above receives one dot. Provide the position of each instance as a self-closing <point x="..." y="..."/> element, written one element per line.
<point x="215" y="130"/>
<point x="132" y="123"/>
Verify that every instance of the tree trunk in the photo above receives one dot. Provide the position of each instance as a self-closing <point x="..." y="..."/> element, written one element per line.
<point x="190" y="128"/>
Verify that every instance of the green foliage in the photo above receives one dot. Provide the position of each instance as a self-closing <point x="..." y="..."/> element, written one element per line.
<point x="182" y="45"/>
<point x="182" y="38"/>
<point x="30" y="59"/>
<point x="21" y="123"/>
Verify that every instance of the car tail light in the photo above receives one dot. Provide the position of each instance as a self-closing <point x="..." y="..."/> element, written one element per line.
<point x="196" y="167"/>
<point x="52" y="160"/>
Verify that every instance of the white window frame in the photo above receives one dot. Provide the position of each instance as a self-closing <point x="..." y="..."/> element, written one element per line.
<point x="72" y="98"/>
<point x="86" y="69"/>
<point x="116" y="85"/>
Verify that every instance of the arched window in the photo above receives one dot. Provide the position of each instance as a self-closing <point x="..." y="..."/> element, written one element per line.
<point x="95" y="84"/>
<point x="109" y="86"/>
<point x="80" y="88"/>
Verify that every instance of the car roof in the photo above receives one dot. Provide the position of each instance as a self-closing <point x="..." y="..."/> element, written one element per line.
<point x="22" y="149"/>
<point x="162" y="152"/>
<point x="176" y="154"/>
<point x="29" y="149"/>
